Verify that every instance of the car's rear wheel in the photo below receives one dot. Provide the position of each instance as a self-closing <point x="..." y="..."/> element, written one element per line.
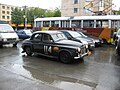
<point x="65" y="57"/>
<point x="28" y="51"/>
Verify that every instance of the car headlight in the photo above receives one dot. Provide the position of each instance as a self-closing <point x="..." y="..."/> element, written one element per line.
<point x="86" y="46"/>
<point x="4" y="39"/>
<point x="97" y="41"/>
<point x="78" y="49"/>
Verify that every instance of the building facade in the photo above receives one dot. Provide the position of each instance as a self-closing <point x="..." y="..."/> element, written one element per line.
<point x="85" y="7"/>
<point x="5" y="12"/>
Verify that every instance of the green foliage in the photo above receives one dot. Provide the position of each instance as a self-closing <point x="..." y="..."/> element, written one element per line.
<point x="17" y="16"/>
<point x="31" y="14"/>
<point x="118" y="12"/>
<point x="49" y="13"/>
<point x="53" y="13"/>
<point x="57" y="13"/>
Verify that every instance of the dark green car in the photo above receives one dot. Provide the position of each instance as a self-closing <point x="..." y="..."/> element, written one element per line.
<point x="54" y="44"/>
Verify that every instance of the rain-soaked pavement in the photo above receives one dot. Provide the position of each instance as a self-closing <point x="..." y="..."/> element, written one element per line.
<point x="100" y="71"/>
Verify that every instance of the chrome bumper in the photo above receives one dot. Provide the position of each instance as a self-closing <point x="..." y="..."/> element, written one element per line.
<point x="85" y="54"/>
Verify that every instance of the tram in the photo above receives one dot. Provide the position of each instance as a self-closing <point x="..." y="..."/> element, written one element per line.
<point x="100" y="26"/>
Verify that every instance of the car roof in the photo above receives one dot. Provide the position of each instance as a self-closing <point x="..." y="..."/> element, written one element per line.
<point x="48" y="32"/>
<point x="68" y="31"/>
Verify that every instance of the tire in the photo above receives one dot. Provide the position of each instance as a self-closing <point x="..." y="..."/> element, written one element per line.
<point x="65" y="57"/>
<point x="1" y="45"/>
<point x="28" y="51"/>
<point x="15" y="44"/>
<point x="118" y="50"/>
<point x="105" y="41"/>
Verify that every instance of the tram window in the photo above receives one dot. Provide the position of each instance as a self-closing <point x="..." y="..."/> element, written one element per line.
<point x="46" y="24"/>
<point x="55" y="23"/>
<point x="88" y="24"/>
<point x="38" y="24"/>
<point x="76" y="23"/>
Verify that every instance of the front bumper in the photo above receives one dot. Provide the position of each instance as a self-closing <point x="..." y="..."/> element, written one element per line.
<point x="10" y="41"/>
<point x="85" y="54"/>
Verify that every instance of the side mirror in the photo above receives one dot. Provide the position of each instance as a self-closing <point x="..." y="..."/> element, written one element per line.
<point x="51" y="41"/>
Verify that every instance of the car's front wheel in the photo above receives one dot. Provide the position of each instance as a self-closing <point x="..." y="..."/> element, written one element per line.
<point x="118" y="50"/>
<point x="1" y="45"/>
<point x="65" y="57"/>
<point x="28" y="51"/>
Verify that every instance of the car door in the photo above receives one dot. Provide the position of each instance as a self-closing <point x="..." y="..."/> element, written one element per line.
<point x="21" y="34"/>
<point x="37" y="43"/>
<point x="47" y="44"/>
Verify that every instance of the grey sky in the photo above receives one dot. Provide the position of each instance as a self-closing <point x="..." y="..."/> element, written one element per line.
<point x="46" y="4"/>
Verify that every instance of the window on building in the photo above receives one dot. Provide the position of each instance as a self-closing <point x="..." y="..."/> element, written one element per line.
<point x="3" y="7"/>
<point x="8" y="12"/>
<point x="3" y="12"/>
<point x="75" y="1"/>
<point x="8" y="7"/>
<point x="8" y="17"/>
<point x="12" y="8"/>
<point x="3" y="17"/>
<point x="75" y="10"/>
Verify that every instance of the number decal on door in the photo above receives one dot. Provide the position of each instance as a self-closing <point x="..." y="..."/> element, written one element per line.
<point x="47" y="49"/>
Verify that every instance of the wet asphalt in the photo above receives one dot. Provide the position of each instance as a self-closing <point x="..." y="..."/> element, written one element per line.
<point x="100" y="71"/>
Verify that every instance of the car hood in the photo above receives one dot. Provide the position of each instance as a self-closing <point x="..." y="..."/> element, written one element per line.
<point x="69" y="42"/>
<point x="8" y="35"/>
<point x="84" y="39"/>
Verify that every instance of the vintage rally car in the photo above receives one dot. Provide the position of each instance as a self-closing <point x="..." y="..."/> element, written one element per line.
<point x="54" y="44"/>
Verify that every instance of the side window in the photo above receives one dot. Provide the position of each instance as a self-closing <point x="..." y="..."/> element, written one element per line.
<point x="37" y="37"/>
<point x="46" y="38"/>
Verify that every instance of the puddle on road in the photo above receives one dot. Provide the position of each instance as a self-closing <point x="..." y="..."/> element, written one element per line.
<point x="61" y="82"/>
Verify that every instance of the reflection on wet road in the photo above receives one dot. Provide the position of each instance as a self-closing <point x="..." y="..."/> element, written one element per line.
<point x="100" y="71"/>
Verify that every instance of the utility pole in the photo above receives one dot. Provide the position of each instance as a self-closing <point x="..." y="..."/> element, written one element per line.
<point x="25" y="17"/>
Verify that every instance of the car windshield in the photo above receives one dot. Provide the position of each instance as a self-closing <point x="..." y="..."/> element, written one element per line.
<point x="82" y="34"/>
<point x="58" y="36"/>
<point x="5" y="28"/>
<point x="75" y="34"/>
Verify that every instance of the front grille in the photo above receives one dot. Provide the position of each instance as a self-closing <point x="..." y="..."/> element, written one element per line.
<point x="11" y="39"/>
<point x="83" y="50"/>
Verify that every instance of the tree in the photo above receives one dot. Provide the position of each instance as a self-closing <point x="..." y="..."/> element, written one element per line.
<point x="49" y="13"/>
<point x="17" y="16"/>
<point x="57" y="13"/>
<point x="33" y="13"/>
<point x="53" y="13"/>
